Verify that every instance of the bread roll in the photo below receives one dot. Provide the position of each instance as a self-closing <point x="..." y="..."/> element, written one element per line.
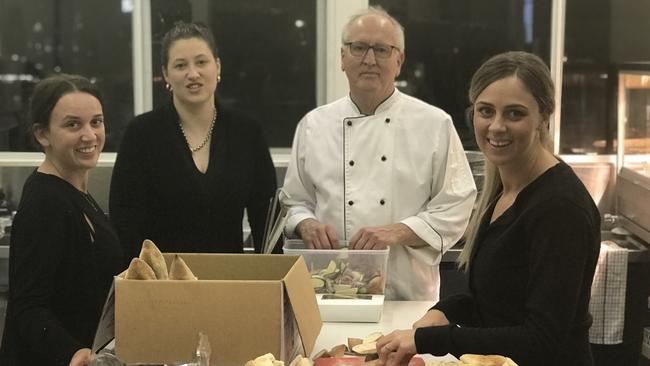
<point x="264" y="360"/>
<point x="301" y="361"/>
<point x="152" y="255"/>
<point x="337" y="351"/>
<point x="486" y="360"/>
<point x="139" y="270"/>
<point x="179" y="270"/>
<point x="353" y="342"/>
<point x="373" y="337"/>
<point x="365" y="348"/>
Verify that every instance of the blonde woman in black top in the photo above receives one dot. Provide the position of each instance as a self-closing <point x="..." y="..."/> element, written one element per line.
<point x="532" y="245"/>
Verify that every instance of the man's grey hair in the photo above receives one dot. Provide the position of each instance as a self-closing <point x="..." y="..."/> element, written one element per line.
<point x="376" y="10"/>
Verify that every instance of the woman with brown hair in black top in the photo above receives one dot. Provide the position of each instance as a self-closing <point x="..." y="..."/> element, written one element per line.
<point x="63" y="252"/>
<point x="186" y="171"/>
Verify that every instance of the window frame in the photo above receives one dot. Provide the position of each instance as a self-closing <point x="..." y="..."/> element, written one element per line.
<point x="331" y="84"/>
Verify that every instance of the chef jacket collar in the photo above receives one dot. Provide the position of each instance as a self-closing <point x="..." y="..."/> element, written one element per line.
<point x="385" y="105"/>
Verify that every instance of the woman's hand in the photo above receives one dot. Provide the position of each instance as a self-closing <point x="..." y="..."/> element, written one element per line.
<point x="432" y="318"/>
<point x="81" y="358"/>
<point x="396" y="348"/>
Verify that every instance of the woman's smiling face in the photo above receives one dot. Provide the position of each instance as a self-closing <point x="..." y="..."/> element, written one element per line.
<point x="74" y="136"/>
<point x="507" y="123"/>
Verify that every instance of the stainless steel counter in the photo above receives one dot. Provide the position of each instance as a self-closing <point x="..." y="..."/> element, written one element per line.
<point x="637" y="249"/>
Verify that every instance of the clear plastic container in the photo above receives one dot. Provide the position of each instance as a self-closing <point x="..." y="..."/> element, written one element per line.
<point x="346" y="273"/>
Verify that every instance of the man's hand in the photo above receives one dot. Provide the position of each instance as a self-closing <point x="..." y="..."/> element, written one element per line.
<point x="81" y="358"/>
<point x="397" y="348"/>
<point x="432" y="318"/>
<point x="382" y="237"/>
<point x="317" y="235"/>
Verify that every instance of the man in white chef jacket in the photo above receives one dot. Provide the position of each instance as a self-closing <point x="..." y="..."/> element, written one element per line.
<point x="380" y="168"/>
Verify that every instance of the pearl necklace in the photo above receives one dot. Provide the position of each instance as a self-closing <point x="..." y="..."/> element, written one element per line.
<point x="207" y="137"/>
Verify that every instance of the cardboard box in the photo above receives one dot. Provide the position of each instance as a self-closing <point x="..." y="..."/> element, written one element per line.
<point x="247" y="304"/>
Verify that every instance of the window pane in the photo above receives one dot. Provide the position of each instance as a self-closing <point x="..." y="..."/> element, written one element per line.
<point x="604" y="38"/>
<point x="38" y="38"/>
<point x="446" y="41"/>
<point x="268" y="57"/>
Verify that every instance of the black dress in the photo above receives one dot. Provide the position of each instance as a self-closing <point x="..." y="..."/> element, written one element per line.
<point x="530" y="280"/>
<point x="60" y="271"/>
<point x="158" y="193"/>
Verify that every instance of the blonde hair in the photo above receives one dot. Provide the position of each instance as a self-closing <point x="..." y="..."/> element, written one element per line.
<point x="535" y="75"/>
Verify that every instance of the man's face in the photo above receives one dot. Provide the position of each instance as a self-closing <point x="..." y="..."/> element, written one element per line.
<point x="368" y="73"/>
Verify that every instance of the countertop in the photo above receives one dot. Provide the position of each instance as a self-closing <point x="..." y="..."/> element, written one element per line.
<point x="396" y="315"/>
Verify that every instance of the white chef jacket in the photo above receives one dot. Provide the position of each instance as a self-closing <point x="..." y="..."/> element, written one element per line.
<point x="403" y="164"/>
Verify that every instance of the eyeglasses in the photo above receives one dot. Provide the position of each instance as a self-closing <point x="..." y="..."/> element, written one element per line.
<point x="360" y="49"/>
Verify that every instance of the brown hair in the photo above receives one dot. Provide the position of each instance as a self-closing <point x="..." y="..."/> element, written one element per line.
<point x="182" y="30"/>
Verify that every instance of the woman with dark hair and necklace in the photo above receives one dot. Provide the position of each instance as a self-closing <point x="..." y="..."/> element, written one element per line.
<point x="63" y="252"/>
<point x="186" y="171"/>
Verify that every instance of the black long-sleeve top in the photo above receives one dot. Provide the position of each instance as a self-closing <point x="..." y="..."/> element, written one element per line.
<point x="529" y="280"/>
<point x="158" y="193"/>
<point x="60" y="271"/>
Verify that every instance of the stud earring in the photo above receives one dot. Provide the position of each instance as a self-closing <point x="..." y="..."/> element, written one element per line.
<point x="168" y="87"/>
<point x="218" y="78"/>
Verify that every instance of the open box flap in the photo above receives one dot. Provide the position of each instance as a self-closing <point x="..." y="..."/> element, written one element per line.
<point x="303" y="301"/>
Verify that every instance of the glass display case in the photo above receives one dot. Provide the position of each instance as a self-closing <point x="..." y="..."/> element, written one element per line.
<point x="633" y="150"/>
